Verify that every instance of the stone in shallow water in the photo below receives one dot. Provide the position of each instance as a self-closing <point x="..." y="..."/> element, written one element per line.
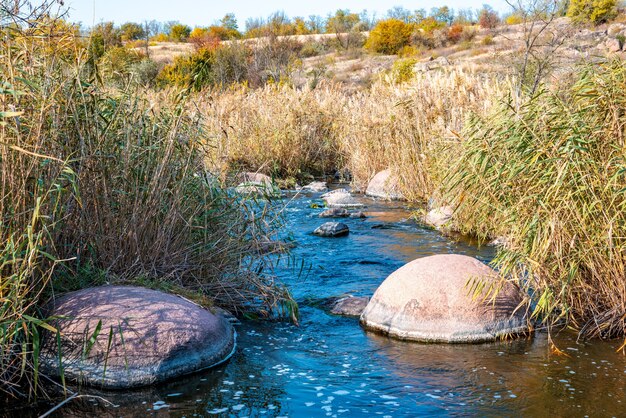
<point x="430" y="299"/>
<point x="341" y="198"/>
<point x="341" y="213"/>
<point x="350" y="306"/>
<point x="439" y="217"/>
<point x="154" y="336"/>
<point x="332" y="229"/>
<point x="316" y="187"/>
<point x="384" y="185"/>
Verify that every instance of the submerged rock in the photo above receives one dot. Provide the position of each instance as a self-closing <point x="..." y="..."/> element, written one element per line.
<point x="439" y="217"/>
<point x="431" y="299"/>
<point x="384" y="185"/>
<point x="341" y="213"/>
<point x="358" y="214"/>
<point x="341" y="198"/>
<point x="350" y="306"/>
<point x="154" y="336"/>
<point x="332" y="229"/>
<point x="316" y="187"/>
<point x="266" y="245"/>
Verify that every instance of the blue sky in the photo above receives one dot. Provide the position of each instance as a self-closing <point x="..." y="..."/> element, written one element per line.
<point x="204" y="13"/>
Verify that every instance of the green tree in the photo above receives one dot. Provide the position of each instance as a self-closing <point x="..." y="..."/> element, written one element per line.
<point x="179" y="32"/>
<point x="342" y="22"/>
<point x="103" y="37"/>
<point x="594" y="11"/>
<point x="131" y="31"/>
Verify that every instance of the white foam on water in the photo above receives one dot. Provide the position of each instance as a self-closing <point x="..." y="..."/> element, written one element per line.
<point x="309" y="404"/>
<point x="433" y="396"/>
<point x="228" y="382"/>
<point x="341" y="392"/>
<point x="387" y="397"/>
<point x="217" y="411"/>
<point x="238" y="407"/>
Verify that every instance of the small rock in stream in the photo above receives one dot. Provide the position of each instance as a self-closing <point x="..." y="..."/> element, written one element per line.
<point x="332" y="229"/>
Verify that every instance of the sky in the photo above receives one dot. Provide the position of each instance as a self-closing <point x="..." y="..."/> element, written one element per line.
<point x="206" y="12"/>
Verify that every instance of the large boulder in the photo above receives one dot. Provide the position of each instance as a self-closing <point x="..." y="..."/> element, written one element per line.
<point x="341" y="198"/>
<point x="153" y="336"/>
<point x="384" y="185"/>
<point x="432" y="299"/>
<point x="332" y="230"/>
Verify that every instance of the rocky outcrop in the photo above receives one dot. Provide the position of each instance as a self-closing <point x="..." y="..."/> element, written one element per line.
<point x="432" y="299"/>
<point x="332" y="229"/>
<point x="349" y="306"/>
<point x="439" y="217"/>
<point x="341" y="198"/>
<point x="384" y="185"/>
<point x="141" y="337"/>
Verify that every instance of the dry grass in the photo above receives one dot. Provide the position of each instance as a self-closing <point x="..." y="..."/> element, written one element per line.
<point x="285" y="131"/>
<point x="99" y="185"/>
<point x="549" y="176"/>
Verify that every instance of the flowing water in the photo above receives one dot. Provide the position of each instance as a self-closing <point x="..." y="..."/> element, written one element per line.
<point x="330" y="367"/>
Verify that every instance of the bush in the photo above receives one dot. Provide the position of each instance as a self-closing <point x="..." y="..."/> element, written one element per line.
<point x="313" y="49"/>
<point x="402" y="70"/>
<point x="179" y="32"/>
<point x="117" y="62"/>
<point x="487" y="40"/>
<point x="193" y="71"/>
<point x="488" y="18"/>
<point x="514" y="19"/>
<point x="160" y="37"/>
<point x="455" y="32"/>
<point x="389" y="36"/>
<point x="594" y="11"/>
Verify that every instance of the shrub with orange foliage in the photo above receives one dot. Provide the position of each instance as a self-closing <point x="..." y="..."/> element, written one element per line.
<point x="454" y="33"/>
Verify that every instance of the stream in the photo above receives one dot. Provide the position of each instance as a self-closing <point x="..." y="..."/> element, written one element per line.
<point x="330" y="367"/>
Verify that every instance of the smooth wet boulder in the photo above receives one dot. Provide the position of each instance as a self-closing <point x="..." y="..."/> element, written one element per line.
<point x="154" y="336"/>
<point x="315" y="187"/>
<point x="341" y="198"/>
<point x="341" y="213"/>
<point x="384" y="185"/>
<point x="332" y="229"/>
<point x="439" y="217"/>
<point x="350" y="306"/>
<point x="431" y="300"/>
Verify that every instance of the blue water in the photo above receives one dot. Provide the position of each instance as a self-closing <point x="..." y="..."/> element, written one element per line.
<point x="328" y="366"/>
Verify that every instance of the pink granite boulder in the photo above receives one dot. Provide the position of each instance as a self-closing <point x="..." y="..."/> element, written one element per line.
<point x="145" y="337"/>
<point x="431" y="300"/>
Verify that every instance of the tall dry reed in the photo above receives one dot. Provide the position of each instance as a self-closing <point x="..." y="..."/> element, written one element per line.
<point x="549" y="176"/>
<point x="100" y="185"/>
